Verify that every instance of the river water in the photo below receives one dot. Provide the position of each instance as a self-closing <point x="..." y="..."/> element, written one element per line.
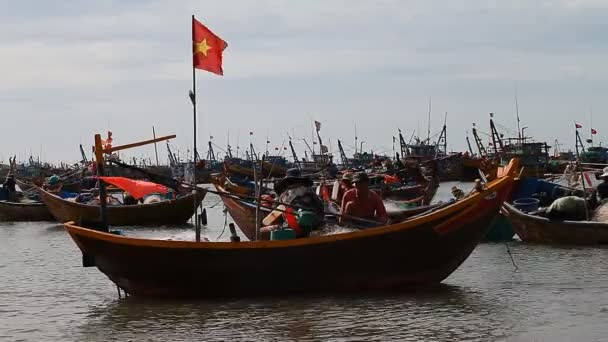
<point x="553" y="294"/>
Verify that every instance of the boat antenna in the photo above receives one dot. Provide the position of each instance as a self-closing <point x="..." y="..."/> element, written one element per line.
<point x="428" y="137"/>
<point x="403" y="145"/>
<point x="517" y="113"/>
<point x="356" y="138"/>
<point x="469" y="145"/>
<point x="580" y="168"/>
<point x="155" y="150"/>
<point x="591" y="125"/>
<point x="496" y="138"/>
<point x="442" y="141"/>
<point x="238" y="133"/>
<point x="295" y="156"/>
<point x="267" y="142"/>
<point x="343" y="155"/>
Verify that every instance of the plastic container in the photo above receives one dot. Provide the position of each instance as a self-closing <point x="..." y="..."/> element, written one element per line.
<point x="283" y="234"/>
<point x="526" y="204"/>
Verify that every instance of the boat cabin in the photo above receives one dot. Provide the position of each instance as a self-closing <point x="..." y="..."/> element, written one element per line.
<point x="595" y="154"/>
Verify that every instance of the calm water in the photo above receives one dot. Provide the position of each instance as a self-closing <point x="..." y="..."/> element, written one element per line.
<point x="556" y="294"/>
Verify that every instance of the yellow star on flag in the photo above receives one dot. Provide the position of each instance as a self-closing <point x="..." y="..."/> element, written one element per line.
<point x="202" y="47"/>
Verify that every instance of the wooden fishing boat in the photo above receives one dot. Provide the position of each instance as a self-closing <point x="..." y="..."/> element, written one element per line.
<point x="28" y="186"/>
<point x="527" y="187"/>
<point x="176" y="211"/>
<point x="422" y="194"/>
<point x="241" y="167"/>
<point x="418" y="252"/>
<point x="24" y="211"/>
<point x="243" y="212"/>
<point x="531" y="228"/>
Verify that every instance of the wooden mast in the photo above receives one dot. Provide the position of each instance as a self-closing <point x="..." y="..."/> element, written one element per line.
<point x="103" y="215"/>
<point x="99" y="160"/>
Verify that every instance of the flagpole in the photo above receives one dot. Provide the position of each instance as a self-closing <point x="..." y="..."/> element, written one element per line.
<point x="193" y="99"/>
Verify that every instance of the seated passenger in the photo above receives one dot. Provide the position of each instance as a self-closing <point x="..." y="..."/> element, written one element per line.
<point x="363" y="203"/>
<point x="301" y="208"/>
<point x="346" y="183"/>
<point x="9" y="187"/>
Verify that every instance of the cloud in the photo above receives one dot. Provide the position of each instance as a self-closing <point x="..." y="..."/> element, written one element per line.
<point x="83" y="64"/>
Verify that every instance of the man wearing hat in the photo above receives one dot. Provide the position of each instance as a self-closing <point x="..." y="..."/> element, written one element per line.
<point x="602" y="188"/>
<point x="302" y="209"/>
<point x="346" y="183"/>
<point x="363" y="203"/>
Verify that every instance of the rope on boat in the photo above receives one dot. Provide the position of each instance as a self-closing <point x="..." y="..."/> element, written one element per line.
<point x="225" y="224"/>
<point x="216" y="203"/>
<point x="511" y="256"/>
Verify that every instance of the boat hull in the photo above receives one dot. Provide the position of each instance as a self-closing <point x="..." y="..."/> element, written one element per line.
<point x="536" y="229"/>
<point x="177" y="211"/>
<point x="24" y="212"/>
<point x="418" y="252"/>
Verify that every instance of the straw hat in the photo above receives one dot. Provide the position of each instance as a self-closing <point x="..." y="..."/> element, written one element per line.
<point x="360" y="177"/>
<point x="347" y="176"/>
<point x="292" y="176"/>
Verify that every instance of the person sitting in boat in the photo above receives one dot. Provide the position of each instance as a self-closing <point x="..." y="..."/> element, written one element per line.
<point x="9" y="187"/>
<point x="346" y="183"/>
<point x="300" y="207"/>
<point x="10" y="183"/>
<point x="602" y="188"/>
<point x="363" y="203"/>
<point x="53" y="184"/>
<point x="570" y="208"/>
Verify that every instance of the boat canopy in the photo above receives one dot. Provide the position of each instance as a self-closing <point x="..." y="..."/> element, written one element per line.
<point x="137" y="188"/>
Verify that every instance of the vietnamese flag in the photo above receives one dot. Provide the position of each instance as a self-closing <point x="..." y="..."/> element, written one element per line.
<point x="207" y="49"/>
<point x="577" y="125"/>
<point x="593" y="131"/>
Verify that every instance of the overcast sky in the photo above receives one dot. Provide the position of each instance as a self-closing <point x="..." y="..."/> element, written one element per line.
<point x="70" y="69"/>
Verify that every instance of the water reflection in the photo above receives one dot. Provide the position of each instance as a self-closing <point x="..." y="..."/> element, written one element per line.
<point x="442" y="312"/>
<point x="557" y="293"/>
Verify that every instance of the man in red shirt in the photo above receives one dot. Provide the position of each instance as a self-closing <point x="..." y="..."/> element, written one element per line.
<point x="362" y="202"/>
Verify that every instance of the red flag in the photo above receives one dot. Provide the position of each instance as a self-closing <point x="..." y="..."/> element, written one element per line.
<point x="207" y="49"/>
<point x="593" y="131"/>
<point x="577" y="125"/>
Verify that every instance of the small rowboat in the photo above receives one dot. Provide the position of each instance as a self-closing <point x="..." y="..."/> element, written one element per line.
<point x="418" y="252"/>
<point x="176" y="211"/>
<point x="23" y="211"/>
<point x="531" y="228"/>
